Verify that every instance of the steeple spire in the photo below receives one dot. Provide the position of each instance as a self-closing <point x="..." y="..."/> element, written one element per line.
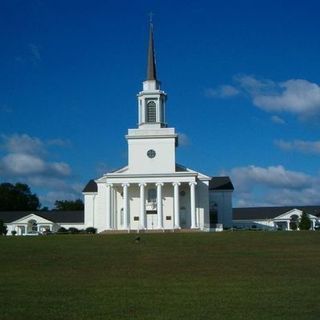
<point x="151" y="69"/>
<point x="151" y="99"/>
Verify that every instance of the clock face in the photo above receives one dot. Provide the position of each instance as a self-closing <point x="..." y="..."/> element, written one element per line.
<point x="151" y="153"/>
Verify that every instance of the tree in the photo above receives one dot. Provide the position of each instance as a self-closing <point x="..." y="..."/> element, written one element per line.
<point x="17" y="197"/>
<point x="68" y="205"/>
<point x="294" y="220"/>
<point x="305" y="222"/>
<point x="3" y="228"/>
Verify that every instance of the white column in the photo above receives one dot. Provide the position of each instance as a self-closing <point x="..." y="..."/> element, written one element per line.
<point x="159" y="205"/>
<point x="125" y="205"/>
<point x="288" y="225"/>
<point x="108" y="225"/>
<point x="193" y="204"/>
<point x="176" y="205"/>
<point x="142" y="206"/>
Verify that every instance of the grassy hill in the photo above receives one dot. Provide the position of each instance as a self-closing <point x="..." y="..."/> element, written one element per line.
<point x="230" y="275"/>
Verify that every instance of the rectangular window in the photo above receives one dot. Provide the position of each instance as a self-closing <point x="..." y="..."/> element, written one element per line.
<point x="152" y="195"/>
<point x="151" y="112"/>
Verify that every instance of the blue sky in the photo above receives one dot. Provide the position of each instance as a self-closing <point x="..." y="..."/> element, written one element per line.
<point x="242" y="79"/>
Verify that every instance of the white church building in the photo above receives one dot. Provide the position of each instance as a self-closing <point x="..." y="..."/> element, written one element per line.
<point x="153" y="192"/>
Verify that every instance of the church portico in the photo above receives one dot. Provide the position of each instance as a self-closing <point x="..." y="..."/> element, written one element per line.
<point x="149" y="204"/>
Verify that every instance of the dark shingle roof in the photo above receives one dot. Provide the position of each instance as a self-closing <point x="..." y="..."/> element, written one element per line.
<point x="91" y="186"/>
<point x="64" y="216"/>
<point x="220" y="183"/>
<point x="270" y="212"/>
<point x="9" y="216"/>
<point x="54" y="216"/>
<point x="180" y="168"/>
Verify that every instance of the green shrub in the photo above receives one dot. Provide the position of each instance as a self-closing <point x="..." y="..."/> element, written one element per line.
<point x="62" y="230"/>
<point x="73" y="230"/>
<point x="13" y="232"/>
<point x="91" y="230"/>
<point x="3" y="228"/>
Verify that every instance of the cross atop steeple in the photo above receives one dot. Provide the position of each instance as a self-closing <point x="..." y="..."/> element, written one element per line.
<point x="151" y="68"/>
<point x="151" y="16"/>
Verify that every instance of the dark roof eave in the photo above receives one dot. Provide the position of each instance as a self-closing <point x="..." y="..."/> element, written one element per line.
<point x="221" y="184"/>
<point x="90" y="187"/>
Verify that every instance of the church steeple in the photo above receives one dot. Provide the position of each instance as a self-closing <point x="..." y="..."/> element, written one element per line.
<point x="151" y="98"/>
<point x="151" y="69"/>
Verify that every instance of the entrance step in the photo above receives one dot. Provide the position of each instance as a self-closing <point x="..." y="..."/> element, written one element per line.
<point x="151" y="231"/>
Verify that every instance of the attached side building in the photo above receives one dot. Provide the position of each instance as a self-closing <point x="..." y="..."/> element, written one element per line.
<point x="36" y="222"/>
<point x="274" y="218"/>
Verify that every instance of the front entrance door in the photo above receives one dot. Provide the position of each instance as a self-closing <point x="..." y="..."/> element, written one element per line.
<point x="21" y="230"/>
<point x="152" y="219"/>
<point x="183" y="218"/>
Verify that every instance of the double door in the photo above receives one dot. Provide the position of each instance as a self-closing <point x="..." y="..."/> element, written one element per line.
<point x="152" y="219"/>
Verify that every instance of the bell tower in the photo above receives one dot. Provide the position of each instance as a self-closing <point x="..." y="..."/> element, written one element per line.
<point x="151" y="100"/>
<point x="151" y="146"/>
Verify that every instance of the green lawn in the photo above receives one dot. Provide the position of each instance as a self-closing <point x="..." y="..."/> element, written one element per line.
<point x="230" y="275"/>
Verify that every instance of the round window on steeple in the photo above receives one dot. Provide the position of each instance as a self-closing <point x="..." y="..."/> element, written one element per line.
<point x="151" y="153"/>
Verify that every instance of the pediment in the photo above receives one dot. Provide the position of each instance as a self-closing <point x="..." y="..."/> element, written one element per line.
<point x="32" y="216"/>
<point x="288" y="214"/>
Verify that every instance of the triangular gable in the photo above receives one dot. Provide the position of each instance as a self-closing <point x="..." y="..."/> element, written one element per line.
<point x="121" y="170"/>
<point x="32" y="216"/>
<point x="118" y="171"/>
<point x="182" y="168"/>
<point x="288" y="214"/>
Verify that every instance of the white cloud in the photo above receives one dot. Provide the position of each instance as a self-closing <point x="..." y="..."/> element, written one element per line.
<point x="5" y="109"/>
<point x="47" y="182"/>
<point x="183" y="139"/>
<point x="59" y="142"/>
<point x="312" y="147"/>
<point x="25" y="159"/>
<point x="21" y="164"/>
<point x="224" y="91"/>
<point x="35" y="53"/>
<point x="59" y="168"/>
<point x="297" y="96"/>
<point x="273" y="186"/>
<point x="25" y="156"/>
<point x="308" y="196"/>
<point x="22" y="144"/>
<point x="254" y="86"/>
<point x="273" y="176"/>
<point x="31" y="54"/>
<point x="277" y="120"/>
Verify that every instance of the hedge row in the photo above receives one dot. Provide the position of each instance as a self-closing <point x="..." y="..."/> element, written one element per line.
<point x="72" y="230"/>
